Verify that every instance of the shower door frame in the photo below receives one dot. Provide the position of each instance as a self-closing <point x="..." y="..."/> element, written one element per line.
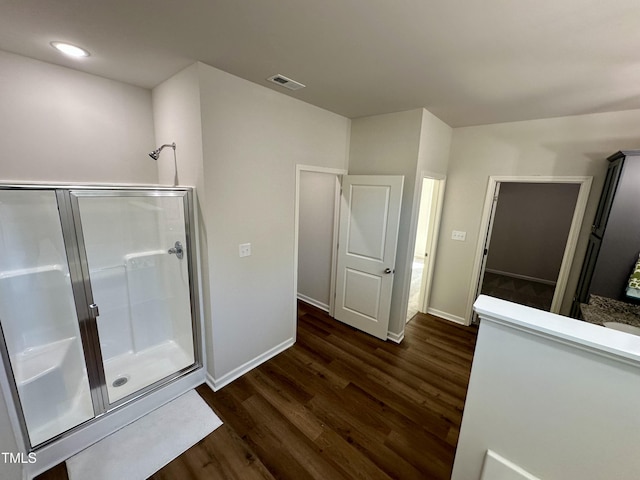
<point x="98" y="387"/>
<point x="81" y="287"/>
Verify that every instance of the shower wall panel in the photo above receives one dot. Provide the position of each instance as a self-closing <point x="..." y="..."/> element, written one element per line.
<point x="121" y="231"/>
<point x="149" y="297"/>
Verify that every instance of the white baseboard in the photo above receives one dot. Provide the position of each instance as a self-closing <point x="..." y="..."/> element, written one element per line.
<point x="210" y="381"/>
<point x="315" y="303"/>
<point x="446" y="316"/>
<point x="227" y="378"/>
<point x="395" y="337"/>
<point x="521" y="277"/>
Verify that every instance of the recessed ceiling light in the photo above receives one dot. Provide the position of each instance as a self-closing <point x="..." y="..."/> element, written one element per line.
<point x="69" y="49"/>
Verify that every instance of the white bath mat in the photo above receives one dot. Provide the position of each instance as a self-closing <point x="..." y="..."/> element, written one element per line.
<point x="143" y="447"/>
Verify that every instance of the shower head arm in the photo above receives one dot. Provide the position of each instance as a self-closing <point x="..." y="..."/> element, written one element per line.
<point x="156" y="153"/>
<point x="172" y="145"/>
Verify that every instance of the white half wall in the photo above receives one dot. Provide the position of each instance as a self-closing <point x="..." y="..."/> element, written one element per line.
<point x="253" y="137"/>
<point x="61" y="125"/>
<point x="315" y="236"/>
<point x="567" y="146"/>
<point x="554" y="395"/>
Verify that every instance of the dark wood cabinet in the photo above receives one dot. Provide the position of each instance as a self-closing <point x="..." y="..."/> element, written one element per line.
<point x="614" y="243"/>
<point x="584" y="282"/>
<point x="608" y="193"/>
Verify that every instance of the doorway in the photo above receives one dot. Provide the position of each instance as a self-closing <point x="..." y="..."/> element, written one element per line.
<point x="429" y="209"/>
<point x="360" y="213"/>
<point x="317" y="204"/>
<point x="531" y="227"/>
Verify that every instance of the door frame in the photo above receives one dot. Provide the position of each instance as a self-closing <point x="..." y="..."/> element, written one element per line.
<point x="427" y="276"/>
<point x="413" y="230"/>
<point x="572" y="238"/>
<point x="338" y="172"/>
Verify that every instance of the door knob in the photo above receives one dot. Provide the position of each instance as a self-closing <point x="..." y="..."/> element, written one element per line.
<point x="388" y="270"/>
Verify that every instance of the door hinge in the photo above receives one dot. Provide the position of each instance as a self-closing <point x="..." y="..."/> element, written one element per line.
<point x="486" y="251"/>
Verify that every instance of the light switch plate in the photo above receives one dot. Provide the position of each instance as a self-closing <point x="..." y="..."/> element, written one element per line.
<point x="245" y="249"/>
<point x="458" y="235"/>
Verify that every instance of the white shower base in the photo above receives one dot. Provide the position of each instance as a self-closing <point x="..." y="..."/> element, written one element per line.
<point x="53" y="388"/>
<point x="54" y="369"/>
<point x="144" y="368"/>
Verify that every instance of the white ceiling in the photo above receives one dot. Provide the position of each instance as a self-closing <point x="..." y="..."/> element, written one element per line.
<point x="467" y="61"/>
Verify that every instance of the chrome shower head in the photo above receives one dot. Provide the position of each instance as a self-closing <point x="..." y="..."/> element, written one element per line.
<point x="156" y="153"/>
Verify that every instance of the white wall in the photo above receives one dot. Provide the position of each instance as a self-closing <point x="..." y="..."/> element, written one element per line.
<point x="315" y="236"/>
<point x="405" y="143"/>
<point x="252" y="139"/>
<point x="553" y="395"/>
<point x="60" y="125"/>
<point x="564" y="146"/>
<point x="177" y="118"/>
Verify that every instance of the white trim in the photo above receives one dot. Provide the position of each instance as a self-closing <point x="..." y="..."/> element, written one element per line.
<point x="227" y="378"/>
<point x="210" y="381"/>
<point x="521" y="277"/>
<point x="395" y="337"/>
<point x="315" y="303"/>
<point x="572" y="239"/>
<point x="334" y="246"/>
<point x="585" y="336"/>
<point x="296" y="221"/>
<point x="431" y="261"/>
<point x="446" y="316"/>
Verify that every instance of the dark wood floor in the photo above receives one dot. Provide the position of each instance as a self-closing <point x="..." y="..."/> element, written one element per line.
<point x="338" y="404"/>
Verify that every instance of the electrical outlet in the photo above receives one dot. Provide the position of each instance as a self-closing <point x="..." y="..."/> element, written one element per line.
<point x="458" y="235"/>
<point x="245" y="249"/>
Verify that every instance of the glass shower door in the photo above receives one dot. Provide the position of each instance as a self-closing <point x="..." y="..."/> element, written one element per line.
<point x="137" y="260"/>
<point x="42" y="341"/>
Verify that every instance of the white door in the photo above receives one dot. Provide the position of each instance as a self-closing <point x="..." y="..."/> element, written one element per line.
<point x="369" y="219"/>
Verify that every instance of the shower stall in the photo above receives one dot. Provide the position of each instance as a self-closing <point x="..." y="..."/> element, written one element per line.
<point x="98" y="303"/>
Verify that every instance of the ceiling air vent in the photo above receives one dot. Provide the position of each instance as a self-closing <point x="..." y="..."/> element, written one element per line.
<point x="285" y="82"/>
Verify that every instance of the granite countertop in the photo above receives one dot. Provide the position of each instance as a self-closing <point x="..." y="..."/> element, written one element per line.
<point x="601" y="309"/>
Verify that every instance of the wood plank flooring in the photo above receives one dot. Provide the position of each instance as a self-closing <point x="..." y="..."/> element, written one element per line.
<point x="339" y="404"/>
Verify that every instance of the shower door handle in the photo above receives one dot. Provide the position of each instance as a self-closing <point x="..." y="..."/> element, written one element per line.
<point x="94" y="311"/>
<point x="177" y="250"/>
